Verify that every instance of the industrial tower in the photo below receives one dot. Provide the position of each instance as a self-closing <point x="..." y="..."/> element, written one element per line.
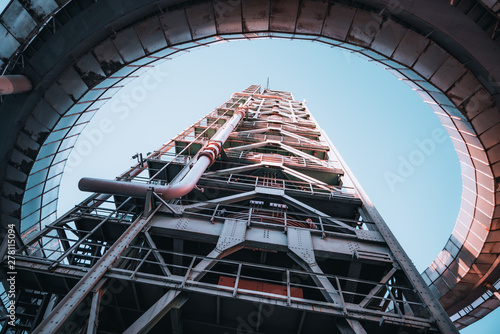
<point x="246" y="222"/>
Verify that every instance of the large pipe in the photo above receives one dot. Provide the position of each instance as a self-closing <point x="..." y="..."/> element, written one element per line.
<point x="11" y="84"/>
<point x="206" y="158"/>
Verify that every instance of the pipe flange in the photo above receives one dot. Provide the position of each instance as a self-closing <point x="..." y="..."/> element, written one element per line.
<point x="211" y="150"/>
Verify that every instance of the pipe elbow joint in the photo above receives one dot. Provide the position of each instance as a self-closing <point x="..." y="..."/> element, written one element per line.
<point x="211" y="150"/>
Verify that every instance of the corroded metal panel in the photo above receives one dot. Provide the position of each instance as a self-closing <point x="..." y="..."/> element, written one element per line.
<point x="89" y="70"/>
<point x="311" y="16"/>
<point x="388" y="38"/>
<point x="494" y="153"/>
<point x="128" y="45"/>
<point x="448" y="73"/>
<point x="463" y="88"/>
<point x="430" y="60"/>
<point x="15" y="175"/>
<point x="365" y="26"/>
<point x="283" y="15"/>
<point x="490" y="137"/>
<point x="72" y="83"/>
<point x="201" y="20"/>
<point x="9" y="43"/>
<point x="40" y="8"/>
<point x="175" y="27"/>
<point x="36" y="130"/>
<point x="17" y="20"/>
<point x="410" y="48"/>
<point x="228" y="16"/>
<point x="486" y="120"/>
<point x="151" y="35"/>
<point x="27" y="145"/>
<point x="480" y="101"/>
<point x="255" y="15"/>
<point x="58" y="99"/>
<point x="108" y="57"/>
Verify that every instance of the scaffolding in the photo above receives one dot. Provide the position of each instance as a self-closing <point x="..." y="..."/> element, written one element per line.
<point x="274" y="236"/>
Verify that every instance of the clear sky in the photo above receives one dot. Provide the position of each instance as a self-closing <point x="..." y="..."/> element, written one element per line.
<point x="376" y="122"/>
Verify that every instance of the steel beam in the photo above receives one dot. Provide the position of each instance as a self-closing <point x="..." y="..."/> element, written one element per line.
<point x="300" y="243"/>
<point x="443" y="322"/>
<point x="303" y="155"/>
<point x="376" y="289"/>
<point x="317" y="212"/>
<point x="172" y="282"/>
<point x="247" y="147"/>
<point x="93" y="322"/>
<point x="349" y="326"/>
<point x="70" y="302"/>
<point x="198" y="229"/>
<point x="83" y="239"/>
<point x="176" y="320"/>
<point x="222" y="200"/>
<point x="234" y="170"/>
<point x="301" y="322"/>
<point x="231" y="238"/>
<point x="173" y="298"/>
<point x="157" y="255"/>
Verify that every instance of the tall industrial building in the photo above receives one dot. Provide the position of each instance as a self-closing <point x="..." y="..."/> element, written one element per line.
<point x="247" y="222"/>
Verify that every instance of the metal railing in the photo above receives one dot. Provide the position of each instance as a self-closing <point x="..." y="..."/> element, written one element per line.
<point x="278" y="217"/>
<point x="273" y="181"/>
<point x="290" y="286"/>
<point x="280" y="159"/>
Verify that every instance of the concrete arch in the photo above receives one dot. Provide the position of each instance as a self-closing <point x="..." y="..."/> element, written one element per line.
<point x="445" y="56"/>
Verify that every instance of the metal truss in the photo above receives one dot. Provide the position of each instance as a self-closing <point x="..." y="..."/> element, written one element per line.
<point x="275" y="228"/>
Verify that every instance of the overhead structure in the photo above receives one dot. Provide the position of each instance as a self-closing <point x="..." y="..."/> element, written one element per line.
<point x="76" y="54"/>
<point x="247" y="221"/>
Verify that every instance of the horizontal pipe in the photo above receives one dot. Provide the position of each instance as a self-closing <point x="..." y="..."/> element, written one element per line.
<point x="12" y="84"/>
<point x="140" y="189"/>
<point x="206" y="158"/>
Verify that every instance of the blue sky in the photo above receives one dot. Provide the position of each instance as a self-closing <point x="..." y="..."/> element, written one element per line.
<point x="376" y="122"/>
